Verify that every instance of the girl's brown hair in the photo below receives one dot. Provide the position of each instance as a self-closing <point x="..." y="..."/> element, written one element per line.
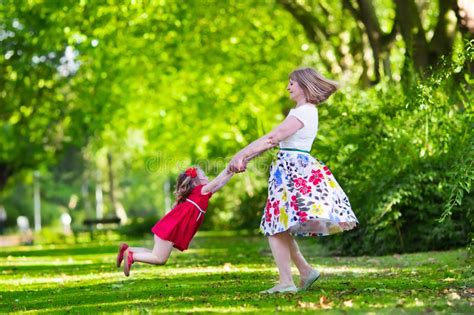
<point x="316" y="88"/>
<point x="184" y="187"/>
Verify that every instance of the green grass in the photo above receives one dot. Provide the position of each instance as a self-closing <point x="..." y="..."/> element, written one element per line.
<point x="224" y="273"/>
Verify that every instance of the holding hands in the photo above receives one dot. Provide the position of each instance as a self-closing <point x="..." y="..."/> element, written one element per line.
<point x="238" y="164"/>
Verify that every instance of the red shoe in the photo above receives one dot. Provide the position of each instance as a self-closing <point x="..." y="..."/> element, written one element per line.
<point x="128" y="263"/>
<point x="122" y="248"/>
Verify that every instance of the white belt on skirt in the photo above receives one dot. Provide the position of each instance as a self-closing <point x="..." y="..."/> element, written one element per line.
<point x="201" y="212"/>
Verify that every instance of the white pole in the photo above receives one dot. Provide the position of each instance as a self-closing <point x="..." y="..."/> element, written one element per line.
<point x="85" y="196"/>
<point x="99" y="199"/>
<point x="37" y="200"/>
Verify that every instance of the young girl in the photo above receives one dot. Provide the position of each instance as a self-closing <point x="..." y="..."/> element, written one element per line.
<point x="178" y="227"/>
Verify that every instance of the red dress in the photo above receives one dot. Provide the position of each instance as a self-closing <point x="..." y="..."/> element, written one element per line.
<point x="181" y="224"/>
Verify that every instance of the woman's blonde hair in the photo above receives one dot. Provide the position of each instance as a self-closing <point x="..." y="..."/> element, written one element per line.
<point x="316" y="88"/>
<point x="184" y="186"/>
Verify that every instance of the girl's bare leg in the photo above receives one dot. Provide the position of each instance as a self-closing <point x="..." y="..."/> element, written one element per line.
<point x="158" y="256"/>
<point x="140" y="249"/>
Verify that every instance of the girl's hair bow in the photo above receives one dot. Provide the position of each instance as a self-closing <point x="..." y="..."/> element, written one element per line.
<point x="191" y="172"/>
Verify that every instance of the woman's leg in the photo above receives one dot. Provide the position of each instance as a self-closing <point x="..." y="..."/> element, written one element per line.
<point x="298" y="259"/>
<point x="281" y="254"/>
<point x="158" y="256"/>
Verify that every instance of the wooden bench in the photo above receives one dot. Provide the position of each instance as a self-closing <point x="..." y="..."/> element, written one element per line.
<point x="105" y="224"/>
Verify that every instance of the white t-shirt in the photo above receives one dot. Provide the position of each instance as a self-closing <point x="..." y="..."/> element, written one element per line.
<point x="304" y="137"/>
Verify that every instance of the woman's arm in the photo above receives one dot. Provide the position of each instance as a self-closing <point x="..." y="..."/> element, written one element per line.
<point x="287" y="128"/>
<point x="218" y="182"/>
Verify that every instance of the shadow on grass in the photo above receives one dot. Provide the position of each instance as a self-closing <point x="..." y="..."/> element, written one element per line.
<point x="224" y="274"/>
<point x="210" y="292"/>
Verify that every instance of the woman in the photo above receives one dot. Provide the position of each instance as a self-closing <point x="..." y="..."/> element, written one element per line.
<point x="304" y="198"/>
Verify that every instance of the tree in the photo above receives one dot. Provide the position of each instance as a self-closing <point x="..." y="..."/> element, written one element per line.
<point x="407" y="21"/>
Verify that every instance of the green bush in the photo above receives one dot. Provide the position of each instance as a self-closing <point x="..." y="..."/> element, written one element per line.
<point x="404" y="156"/>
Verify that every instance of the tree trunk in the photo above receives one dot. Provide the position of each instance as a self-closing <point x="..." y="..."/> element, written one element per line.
<point x="413" y="33"/>
<point x="387" y="67"/>
<point x="119" y="209"/>
<point x="111" y="179"/>
<point x="316" y="31"/>
<point x="85" y="197"/>
<point x="5" y="173"/>
<point x="358" y="45"/>
<point x="37" y="200"/>
<point x="442" y="41"/>
<point x="373" y="31"/>
<point x="465" y="22"/>
<point x="99" y="200"/>
<point x="379" y="41"/>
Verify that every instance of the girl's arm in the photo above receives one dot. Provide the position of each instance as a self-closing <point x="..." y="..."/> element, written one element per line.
<point x="218" y="182"/>
<point x="287" y="128"/>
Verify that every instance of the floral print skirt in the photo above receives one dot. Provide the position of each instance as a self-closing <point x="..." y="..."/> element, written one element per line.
<point x="304" y="198"/>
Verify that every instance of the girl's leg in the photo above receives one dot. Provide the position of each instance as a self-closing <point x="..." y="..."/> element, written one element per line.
<point x="281" y="253"/>
<point x="123" y="247"/>
<point x="158" y="256"/>
<point x="140" y="249"/>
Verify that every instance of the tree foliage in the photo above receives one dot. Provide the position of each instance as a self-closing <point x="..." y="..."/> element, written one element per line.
<point x="122" y="96"/>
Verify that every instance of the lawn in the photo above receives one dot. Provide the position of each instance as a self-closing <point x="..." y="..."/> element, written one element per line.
<point x="224" y="273"/>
